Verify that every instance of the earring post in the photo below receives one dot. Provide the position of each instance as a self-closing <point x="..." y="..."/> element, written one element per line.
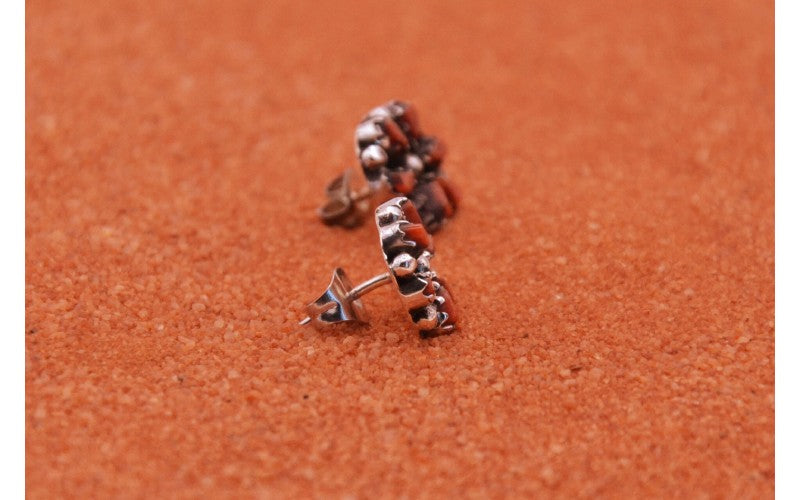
<point x="370" y="285"/>
<point x="361" y="289"/>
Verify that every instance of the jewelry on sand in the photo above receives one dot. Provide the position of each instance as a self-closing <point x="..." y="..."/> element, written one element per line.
<point x="396" y="159"/>
<point x="407" y="250"/>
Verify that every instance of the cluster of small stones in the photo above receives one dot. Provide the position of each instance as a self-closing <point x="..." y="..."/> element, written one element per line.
<point x="395" y="153"/>
<point x="408" y="248"/>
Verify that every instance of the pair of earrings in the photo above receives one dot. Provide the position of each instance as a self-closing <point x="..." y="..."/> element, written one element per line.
<point x="401" y="163"/>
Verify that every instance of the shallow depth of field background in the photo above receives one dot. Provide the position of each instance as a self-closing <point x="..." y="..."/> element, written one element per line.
<point x="612" y="261"/>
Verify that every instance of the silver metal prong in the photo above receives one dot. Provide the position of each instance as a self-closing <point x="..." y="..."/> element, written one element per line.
<point x="340" y="303"/>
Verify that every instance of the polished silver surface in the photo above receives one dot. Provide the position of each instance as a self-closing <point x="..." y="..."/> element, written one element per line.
<point x="341" y="302"/>
<point x="407" y="249"/>
<point x="374" y="157"/>
<point x="396" y="158"/>
<point x="345" y="207"/>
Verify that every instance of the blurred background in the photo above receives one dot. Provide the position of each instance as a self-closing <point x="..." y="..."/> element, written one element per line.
<point x="612" y="261"/>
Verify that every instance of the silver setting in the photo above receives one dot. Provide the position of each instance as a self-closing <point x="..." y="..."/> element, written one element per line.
<point x="396" y="158"/>
<point x="368" y="131"/>
<point x="341" y="302"/>
<point x="414" y="163"/>
<point x="403" y="265"/>
<point x="345" y="207"/>
<point x="407" y="249"/>
<point x="374" y="157"/>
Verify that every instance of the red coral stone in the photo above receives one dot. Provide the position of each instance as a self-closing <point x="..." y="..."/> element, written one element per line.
<point x="403" y="181"/>
<point x="438" y="194"/>
<point x="411" y="213"/>
<point x="419" y="235"/>
<point x="395" y="133"/>
<point x="452" y="193"/>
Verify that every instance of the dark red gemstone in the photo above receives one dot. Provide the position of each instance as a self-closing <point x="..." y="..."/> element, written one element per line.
<point x="452" y="193"/>
<point x="403" y="181"/>
<point x="418" y="234"/>
<point x="395" y="133"/>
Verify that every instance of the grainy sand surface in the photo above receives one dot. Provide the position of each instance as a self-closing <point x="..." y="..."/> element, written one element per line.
<point x="612" y="260"/>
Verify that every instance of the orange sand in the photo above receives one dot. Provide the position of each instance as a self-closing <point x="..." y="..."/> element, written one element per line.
<point x="612" y="258"/>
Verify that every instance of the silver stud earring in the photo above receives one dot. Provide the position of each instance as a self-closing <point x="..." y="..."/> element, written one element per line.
<point x="397" y="159"/>
<point x="407" y="250"/>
